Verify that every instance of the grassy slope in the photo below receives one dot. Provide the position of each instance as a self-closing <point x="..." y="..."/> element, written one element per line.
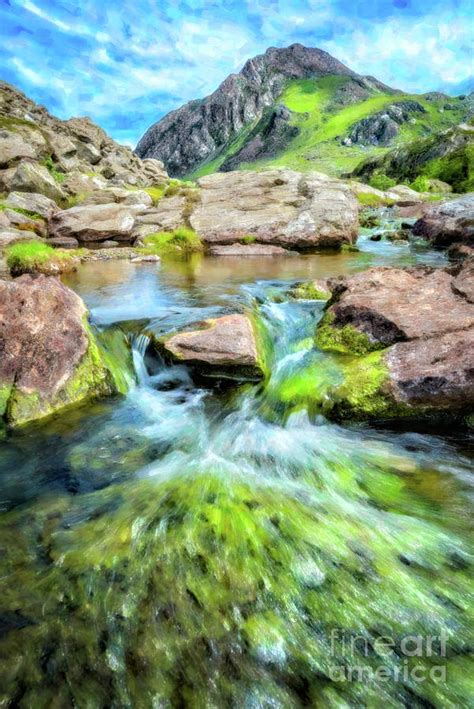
<point x="318" y="145"/>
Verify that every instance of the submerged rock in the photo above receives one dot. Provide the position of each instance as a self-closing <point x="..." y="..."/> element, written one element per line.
<point x="448" y="223"/>
<point x="250" y="250"/>
<point x="50" y="356"/>
<point x="413" y="331"/>
<point x="224" y="348"/>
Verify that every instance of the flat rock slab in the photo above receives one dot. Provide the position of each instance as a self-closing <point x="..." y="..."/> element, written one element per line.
<point x="250" y="250"/>
<point x="447" y="223"/>
<point x="223" y="348"/>
<point x="394" y="304"/>
<point x="280" y="207"/>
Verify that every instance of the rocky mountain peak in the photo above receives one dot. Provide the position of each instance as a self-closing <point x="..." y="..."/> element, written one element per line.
<point x="194" y="133"/>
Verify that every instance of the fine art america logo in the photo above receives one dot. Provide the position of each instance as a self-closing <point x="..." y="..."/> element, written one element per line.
<point x="409" y="658"/>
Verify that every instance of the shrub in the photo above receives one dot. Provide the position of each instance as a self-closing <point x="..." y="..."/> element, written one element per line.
<point x="421" y="184"/>
<point x="36" y="256"/>
<point x="382" y="182"/>
<point x="179" y="241"/>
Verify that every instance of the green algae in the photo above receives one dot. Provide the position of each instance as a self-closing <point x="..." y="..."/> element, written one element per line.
<point x="159" y="586"/>
<point x="346" y="339"/>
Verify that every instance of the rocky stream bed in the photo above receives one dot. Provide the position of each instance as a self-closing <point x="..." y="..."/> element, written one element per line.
<point x="211" y="542"/>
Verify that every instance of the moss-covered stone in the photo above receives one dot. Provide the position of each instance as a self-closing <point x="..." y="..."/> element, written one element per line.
<point x="346" y="339"/>
<point x="309" y="290"/>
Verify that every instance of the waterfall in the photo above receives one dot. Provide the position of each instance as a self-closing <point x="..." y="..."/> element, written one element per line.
<point x="139" y="345"/>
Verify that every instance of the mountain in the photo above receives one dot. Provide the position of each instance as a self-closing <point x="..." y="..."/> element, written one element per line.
<point x="296" y="107"/>
<point x="201" y="129"/>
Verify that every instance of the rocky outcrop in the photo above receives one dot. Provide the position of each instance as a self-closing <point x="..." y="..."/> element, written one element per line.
<point x="382" y="127"/>
<point x="278" y="207"/>
<point x="448" y="223"/>
<point x="412" y="331"/>
<point x="31" y="135"/>
<point x="49" y="356"/>
<point x="96" y="222"/>
<point x="444" y="155"/>
<point x="223" y="348"/>
<point x="32" y="202"/>
<point x="271" y="135"/>
<point x="201" y="129"/>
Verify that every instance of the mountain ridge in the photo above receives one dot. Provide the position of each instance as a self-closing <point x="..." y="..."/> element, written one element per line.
<point x="193" y="133"/>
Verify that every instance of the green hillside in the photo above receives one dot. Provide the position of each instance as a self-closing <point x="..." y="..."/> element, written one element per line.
<point x="324" y="110"/>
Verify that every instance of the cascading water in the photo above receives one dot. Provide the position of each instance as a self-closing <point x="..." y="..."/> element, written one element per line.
<point x="197" y="546"/>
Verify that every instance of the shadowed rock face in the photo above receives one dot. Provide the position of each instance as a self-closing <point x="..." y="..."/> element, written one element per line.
<point x="186" y="137"/>
<point x="224" y="348"/>
<point x="382" y="127"/>
<point x="449" y="223"/>
<point x="48" y="357"/>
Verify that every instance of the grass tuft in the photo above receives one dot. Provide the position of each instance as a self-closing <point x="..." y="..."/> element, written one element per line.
<point x="179" y="241"/>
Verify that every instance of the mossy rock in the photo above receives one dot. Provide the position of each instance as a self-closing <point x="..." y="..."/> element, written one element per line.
<point x="346" y="339"/>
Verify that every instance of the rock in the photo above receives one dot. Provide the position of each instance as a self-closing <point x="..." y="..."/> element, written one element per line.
<point x="20" y="221"/>
<point x="404" y="196"/>
<point x="166" y="216"/>
<point x="146" y="258"/>
<point x="358" y="188"/>
<point x="64" y="242"/>
<point x="33" y="202"/>
<point x="412" y="330"/>
<point x="83" y="185"/>
<point x="20" y="140"/>
<point x="387" y="305"/>
<point x="250" y="250"/>
<point x="278" y="207"/>
<point x="310" y="290"/>
<point x="50" y="357"/>
<point x="120" y="196"/>
<point x="14" y="236"/>
<point x="382" y="127"/>
<point x="94" y="222"/>
<point x="449" y="222"/>
<point x="459" y="252"/>
<point x="109" y="244"/>
<point x="32" y="177"/>
<point x="6" y="178"/>
<point x="438" y="186"/>
<point x="463" y="283"/>
<point x="224" y="348"/>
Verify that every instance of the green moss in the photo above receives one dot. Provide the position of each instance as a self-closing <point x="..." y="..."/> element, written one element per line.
<point x="308" y="291"/>
<point x="38" y="257"/>
<point x="26" y="212"/>
<point x="349" y="249"/>
<point x="156" y="192"/>
<point x="347" y="339"/>
<point x="104" y="369"/>
<point x="181" y="241"/>
<point x="57" y="175"/>
<point x="116" y="355"/>
<point x="248" y="239"/>
<point x="368" y="199"/>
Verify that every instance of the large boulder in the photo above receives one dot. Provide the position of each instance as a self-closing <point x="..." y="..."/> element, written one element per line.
<point x="19" y="140"/>
<point x="50" y="356"/>
<point x="280" y="207"/>
<point x="224" y="348"/>
<point x="120" y="196"/>
<point x="448" y="223"/>
<point x="32" y="202"/>
<point x="33" y="177"/>
<point x="408" y="335"/>
<point x="94" y="222"/>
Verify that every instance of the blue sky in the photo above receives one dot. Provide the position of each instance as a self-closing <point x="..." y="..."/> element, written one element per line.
<point x="127" y="63"/>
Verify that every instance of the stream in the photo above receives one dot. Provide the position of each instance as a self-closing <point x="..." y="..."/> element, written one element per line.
<point x="208" y="547"/>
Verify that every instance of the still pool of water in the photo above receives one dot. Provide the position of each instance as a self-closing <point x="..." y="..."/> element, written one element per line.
<point x="189" y="546"/>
